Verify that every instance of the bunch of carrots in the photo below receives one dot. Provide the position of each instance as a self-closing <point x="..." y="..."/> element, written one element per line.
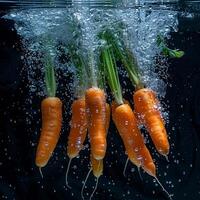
<point x="91" y="113"/>
<point x="146" y="107"/>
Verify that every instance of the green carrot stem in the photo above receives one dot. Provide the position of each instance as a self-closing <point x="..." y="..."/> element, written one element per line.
<point x="101" y="74"/>
<point x="111" y="74"/>
<point x="79" y="63"/>
<point x="125" y="56"/>
<point x="172" y="53"/>
<point x="91" y="70"/>
<point x="50" y="80"/>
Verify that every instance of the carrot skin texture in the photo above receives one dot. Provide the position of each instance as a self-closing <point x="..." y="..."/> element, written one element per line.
<point x="96" y="114"/>
<point x="126" y="124"/>
<point x="51" y="109"/>
<point x="97" y="165"/>
<point x="78" y="128"/>
<point x="146" y="107"/>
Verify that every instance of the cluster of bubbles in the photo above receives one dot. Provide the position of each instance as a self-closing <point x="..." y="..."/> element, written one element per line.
<point x="61" y="25"/>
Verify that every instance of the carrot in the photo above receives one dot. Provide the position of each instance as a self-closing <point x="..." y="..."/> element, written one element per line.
<point x="97" y="169"/>
<point x="51" y="109"/>
<point x="51" y="126"/>
<point x="96" y="114"/>
<point x="123" y="116"/>
<point x="77" y="133"/>
<point x="78" y="126"/>
<point x="126" y="124"/>
<point x="145" y="101"/>
<point x="97" y="165"/>
<point x="146" y="107"/>
<point x="78" y="129"/>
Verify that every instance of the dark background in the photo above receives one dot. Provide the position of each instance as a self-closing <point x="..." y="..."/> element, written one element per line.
<point x="20" y="179"/>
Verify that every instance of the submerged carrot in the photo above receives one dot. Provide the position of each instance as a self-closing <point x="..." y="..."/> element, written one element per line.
<point x="77" y="133"/>
<point x="96" y="114"/>
<point x="123" y="116"/>
<point x="97" y="166"/>
<point x="51" y="126"/>
<point x="146" y="107"/>
<point x="97" y="169"/>
<point x="78" y="129"/>
<point x="51" y="117"/>
<point x="137" y="151"/>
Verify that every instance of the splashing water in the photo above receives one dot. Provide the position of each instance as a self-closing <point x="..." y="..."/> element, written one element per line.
<point x="143" y="26"/>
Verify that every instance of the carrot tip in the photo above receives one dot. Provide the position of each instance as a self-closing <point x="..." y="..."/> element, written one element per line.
<point x="40" y="164"/>
<point x="72" y="155"/>
<point x="150" y="169"/>
<point x="164" y="152"/>
<point x="98" y="157"/>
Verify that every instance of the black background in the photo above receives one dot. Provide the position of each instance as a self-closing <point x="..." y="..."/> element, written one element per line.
<point x="20" y="179"/>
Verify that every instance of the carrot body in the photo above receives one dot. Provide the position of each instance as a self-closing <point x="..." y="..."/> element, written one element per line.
<point x="97" y="165"/>
<point x="51" y="127"/>
<point x="96" y="114"/>
<point x="126" y="124"/>
<point x="78" y="128"/>
<point x="146" y="107"/>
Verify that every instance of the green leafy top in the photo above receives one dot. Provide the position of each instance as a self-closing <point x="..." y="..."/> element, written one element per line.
<point x="124" y="55"/>
<point x="172" y="53"/>
<point x="79" y="62"/>
<point x="50" y="80"/>
<point x="108" y="59"/>
<point x="95" y="70"/>
<point x="91" y="71"/>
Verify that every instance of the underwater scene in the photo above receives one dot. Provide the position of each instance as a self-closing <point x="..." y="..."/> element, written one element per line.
<point x="99" y="100"/>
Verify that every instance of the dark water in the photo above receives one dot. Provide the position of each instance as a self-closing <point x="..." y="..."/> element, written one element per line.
<point x="20" y="124"/>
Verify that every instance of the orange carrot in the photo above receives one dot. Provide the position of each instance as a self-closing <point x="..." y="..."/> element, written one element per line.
<point x="122" y="114"/>
<point x="146" y="107"/>
<point x="78" y="129"/>
<point x="97" y="169"/>
<point x="96" y="114"/>
<point x="126" y="124"/>
<point x="51" y="126"/>
<point x="97" y="166"/>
